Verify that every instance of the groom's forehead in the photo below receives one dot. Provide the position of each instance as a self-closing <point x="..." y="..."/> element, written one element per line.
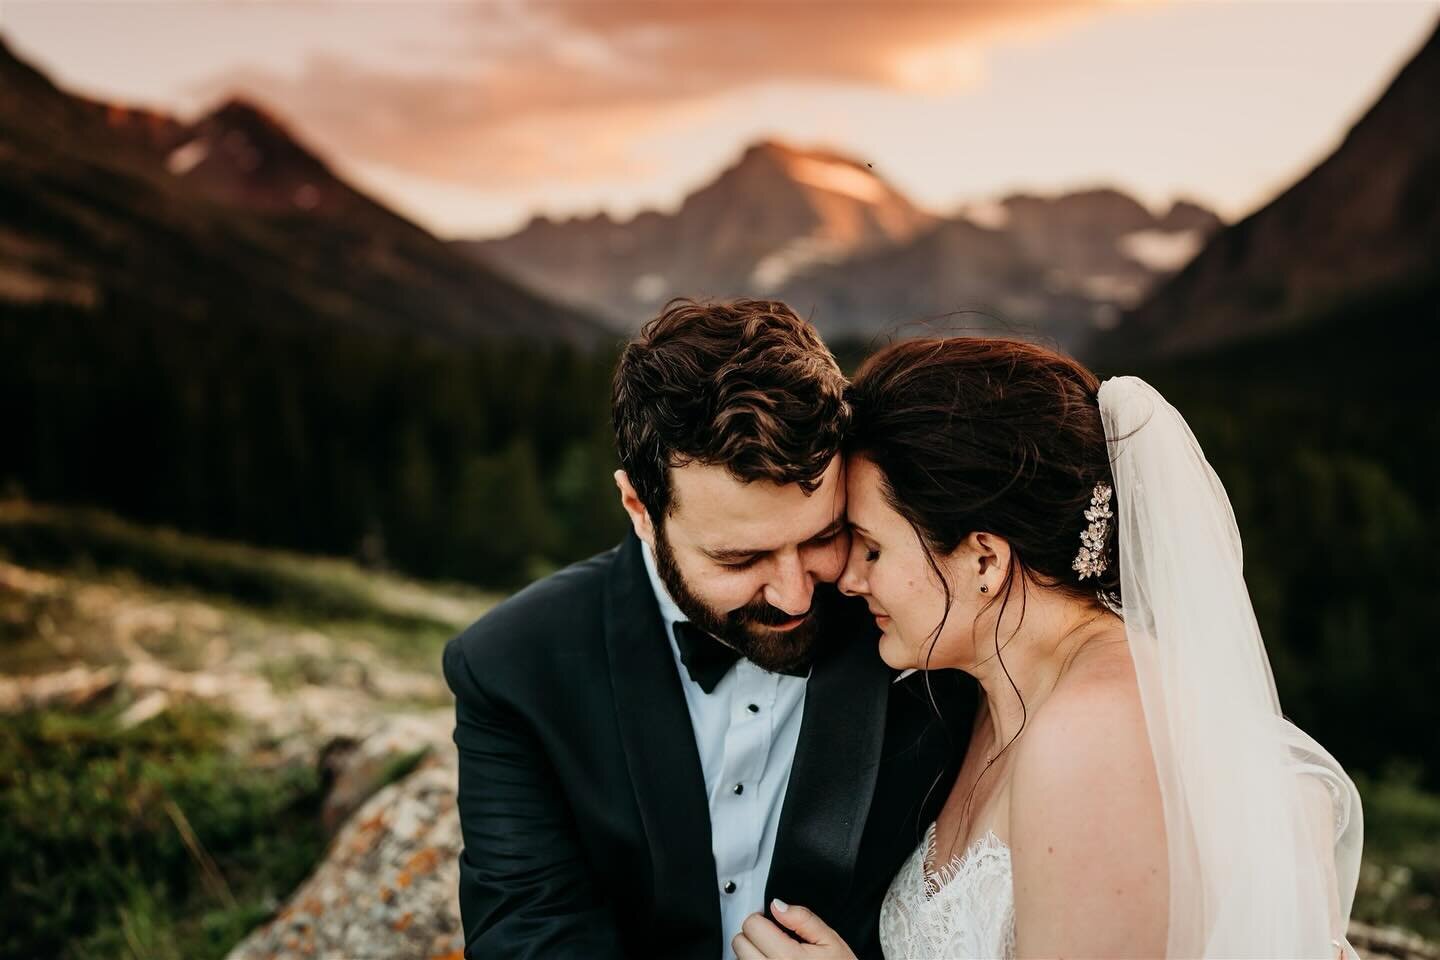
<point x="713" y="505"/>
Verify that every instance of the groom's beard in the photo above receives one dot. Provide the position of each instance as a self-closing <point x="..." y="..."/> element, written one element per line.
<point x="745" y="628"/>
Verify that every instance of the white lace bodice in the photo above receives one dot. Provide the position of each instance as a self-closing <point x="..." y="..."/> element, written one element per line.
<point x="967" y="909"/>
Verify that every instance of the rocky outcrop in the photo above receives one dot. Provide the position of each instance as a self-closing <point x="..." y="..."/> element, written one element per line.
<point x="387" y="888"/>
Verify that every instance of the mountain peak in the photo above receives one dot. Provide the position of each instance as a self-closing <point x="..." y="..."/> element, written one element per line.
<point x="1097" y="201"/>
<point x="770" y="169"/>
<point x="197" y="199"/>
<point x="238" y="110"/>
<point x="769" y="146"/>
<point x="775" y="148"/>
<point x="1363" y="223"/>
<point x="259" y="125"/>
<point x="1188" y="215"/>
<point x="241" y="153"/>
<point x="777" y="210"/>
<point x="787" y="155"/>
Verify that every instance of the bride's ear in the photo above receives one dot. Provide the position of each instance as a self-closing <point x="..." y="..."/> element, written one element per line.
<point x="986" y="558"/>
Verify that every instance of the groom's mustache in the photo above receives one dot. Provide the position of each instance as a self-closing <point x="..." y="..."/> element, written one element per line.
<point x="766" y="615"/>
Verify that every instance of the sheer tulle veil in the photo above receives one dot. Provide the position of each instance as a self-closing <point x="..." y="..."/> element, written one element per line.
<point x="1263" y="826"/>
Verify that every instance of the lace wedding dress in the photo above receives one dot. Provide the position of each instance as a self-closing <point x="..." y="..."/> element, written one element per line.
<point x="964" y="909"/>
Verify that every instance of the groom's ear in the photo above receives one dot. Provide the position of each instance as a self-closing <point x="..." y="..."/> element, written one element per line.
<point x="639" y="516"/>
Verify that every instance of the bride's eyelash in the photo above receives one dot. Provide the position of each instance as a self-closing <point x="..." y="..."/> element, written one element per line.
<point x="871" y="555"/>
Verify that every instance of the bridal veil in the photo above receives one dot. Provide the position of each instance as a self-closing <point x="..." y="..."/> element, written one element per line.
<point x="1263" y="826"/>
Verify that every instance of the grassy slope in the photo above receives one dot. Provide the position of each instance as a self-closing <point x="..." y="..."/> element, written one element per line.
<point x="402" y="619"/>
<point x="165" y="840"/>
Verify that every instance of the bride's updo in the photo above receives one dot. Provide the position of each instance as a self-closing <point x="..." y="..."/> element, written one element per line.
<point x="990" y="435"/>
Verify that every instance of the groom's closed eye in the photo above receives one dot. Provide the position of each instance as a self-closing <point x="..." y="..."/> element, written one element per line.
<point x="742" y="559"/>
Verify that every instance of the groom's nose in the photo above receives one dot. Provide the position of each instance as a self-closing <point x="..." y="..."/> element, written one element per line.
<point x="791" y="586"/>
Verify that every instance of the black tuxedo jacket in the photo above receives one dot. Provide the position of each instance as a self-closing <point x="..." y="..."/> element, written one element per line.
<point x="582" y="803"/>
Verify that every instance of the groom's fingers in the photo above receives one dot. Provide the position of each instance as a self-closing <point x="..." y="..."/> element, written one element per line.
<point x="806" y="925"/>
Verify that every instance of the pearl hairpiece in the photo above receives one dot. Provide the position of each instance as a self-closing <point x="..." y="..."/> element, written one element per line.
<point x="1090" y="561"/>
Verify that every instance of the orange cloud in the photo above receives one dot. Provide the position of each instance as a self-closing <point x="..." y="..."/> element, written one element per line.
<point x="718" y="44"/>
<point x="563" y="88"/>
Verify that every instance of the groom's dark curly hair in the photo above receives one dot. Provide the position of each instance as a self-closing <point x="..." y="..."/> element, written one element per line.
<point x="743" y="384"/>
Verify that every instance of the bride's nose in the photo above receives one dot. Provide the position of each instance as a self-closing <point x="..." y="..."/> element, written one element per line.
<point x="852" y="581"/>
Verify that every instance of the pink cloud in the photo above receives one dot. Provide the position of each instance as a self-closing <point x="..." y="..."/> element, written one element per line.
<point x="563" y="88"/>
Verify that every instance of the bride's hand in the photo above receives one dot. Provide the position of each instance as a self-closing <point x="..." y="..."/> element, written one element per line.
<point x="759" y="939"/>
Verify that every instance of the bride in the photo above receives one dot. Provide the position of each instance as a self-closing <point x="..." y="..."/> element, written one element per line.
<point x="1130" y="788"/>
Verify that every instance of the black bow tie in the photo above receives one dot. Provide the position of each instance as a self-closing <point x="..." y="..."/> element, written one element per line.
<point x="706" y="659"/>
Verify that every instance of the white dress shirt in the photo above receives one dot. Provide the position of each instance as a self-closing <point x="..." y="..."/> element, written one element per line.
<point x="746" y="731"/>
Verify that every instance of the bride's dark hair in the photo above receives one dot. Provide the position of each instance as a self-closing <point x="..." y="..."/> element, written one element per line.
<point x="993" y="435"/>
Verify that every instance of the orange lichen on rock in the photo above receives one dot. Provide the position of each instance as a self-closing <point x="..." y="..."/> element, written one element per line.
<point x="367" y="833"/>
<point x="387" y="888"/>
<point x="424" y="861"/>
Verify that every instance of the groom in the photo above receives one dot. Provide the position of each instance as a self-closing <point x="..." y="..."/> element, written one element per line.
<point x="656" y="742"/>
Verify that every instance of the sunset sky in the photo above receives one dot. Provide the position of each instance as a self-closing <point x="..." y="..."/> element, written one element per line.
<point x="472" y="116"/>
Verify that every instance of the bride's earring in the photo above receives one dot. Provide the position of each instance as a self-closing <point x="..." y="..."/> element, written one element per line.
<point x="984" y="588"/>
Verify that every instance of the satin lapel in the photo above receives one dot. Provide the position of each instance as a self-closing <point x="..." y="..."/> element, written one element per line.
<point x="660" y="751"/>
<point x="832" y="781"/>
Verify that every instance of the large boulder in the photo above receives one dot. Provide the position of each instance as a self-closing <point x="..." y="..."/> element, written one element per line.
<point x="387" y="887"/>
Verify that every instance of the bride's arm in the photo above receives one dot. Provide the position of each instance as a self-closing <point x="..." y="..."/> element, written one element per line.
<point x="1087" y="828"/>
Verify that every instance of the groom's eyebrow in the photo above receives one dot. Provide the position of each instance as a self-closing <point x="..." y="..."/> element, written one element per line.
<point x="733" y="553"/>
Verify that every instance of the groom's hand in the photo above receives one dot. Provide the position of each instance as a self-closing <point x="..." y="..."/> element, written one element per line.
<point x="759" y="939"/>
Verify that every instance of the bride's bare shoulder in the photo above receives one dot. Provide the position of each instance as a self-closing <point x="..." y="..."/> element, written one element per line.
<point x="1093" y="718"/>
<point x="1086" y="820"/>
<point x="1102" y="668"/>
